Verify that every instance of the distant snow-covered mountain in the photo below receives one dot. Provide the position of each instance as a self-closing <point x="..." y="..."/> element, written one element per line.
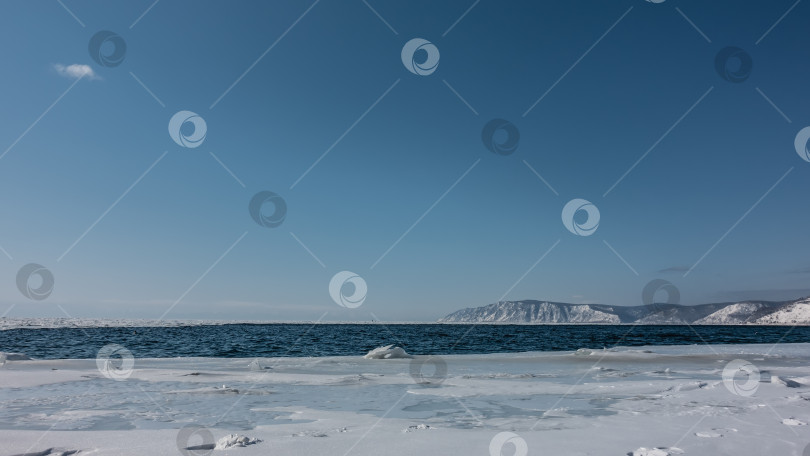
<point x="729" y="313"/>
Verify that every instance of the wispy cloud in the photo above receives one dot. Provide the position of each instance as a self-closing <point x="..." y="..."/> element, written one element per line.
<point x="673" y="269"/>
<point x="75" y="71"/>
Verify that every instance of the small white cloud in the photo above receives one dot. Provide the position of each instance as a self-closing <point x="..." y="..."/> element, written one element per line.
<point x="75" y="71"/>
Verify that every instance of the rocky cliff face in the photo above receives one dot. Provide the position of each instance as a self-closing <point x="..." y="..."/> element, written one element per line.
<point x="544" y="312"/>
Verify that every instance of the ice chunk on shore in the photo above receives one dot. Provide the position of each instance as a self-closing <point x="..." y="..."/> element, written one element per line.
<point x="257" y="366"/>
<point x="783" y="381"/>
<point x="418" y="427"/>
<point x="793" y="422"/>
<point x="6" y="356"/>
<point x="50" y="452"/>
<point x="387" y="352"/>
<point x="235" y="440"/>
<point x="656" y="452"/>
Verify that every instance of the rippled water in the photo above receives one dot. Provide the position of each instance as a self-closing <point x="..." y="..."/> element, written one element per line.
<point x="270" y="340"/>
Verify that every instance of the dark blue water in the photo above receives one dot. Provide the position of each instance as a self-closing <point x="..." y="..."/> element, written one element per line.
<point x="269" y="340"/>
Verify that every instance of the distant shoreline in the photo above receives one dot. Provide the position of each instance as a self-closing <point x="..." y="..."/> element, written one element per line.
<point x="11" y="323"/>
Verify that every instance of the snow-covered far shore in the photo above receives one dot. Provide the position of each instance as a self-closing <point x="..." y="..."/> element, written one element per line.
<point x="7" y="323"/>
<point x="662" y="400"/>
<point x="766" y="313"/>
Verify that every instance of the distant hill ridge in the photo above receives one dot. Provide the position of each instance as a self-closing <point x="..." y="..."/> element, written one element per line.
<point x="795" y="312"/>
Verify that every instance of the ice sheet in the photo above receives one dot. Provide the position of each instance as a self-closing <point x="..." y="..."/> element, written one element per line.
<point x="650" y="400"/>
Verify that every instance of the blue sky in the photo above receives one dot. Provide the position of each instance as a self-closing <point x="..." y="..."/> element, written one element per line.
<point x="406" y="195"/>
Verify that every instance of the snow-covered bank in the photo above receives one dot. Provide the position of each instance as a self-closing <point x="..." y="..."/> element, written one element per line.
<point x="692" y="400"/>
<point x="783" y="313"/>
<point x="7" y="323"/>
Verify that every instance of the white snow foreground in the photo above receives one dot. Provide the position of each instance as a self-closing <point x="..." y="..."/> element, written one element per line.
<point x="644" y="401"/>
<point x="387" y="352"/>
